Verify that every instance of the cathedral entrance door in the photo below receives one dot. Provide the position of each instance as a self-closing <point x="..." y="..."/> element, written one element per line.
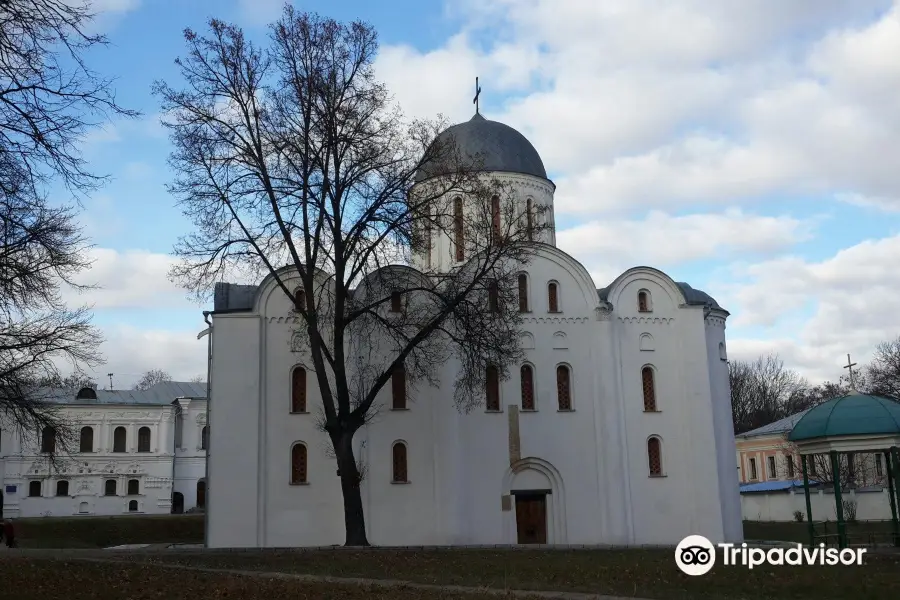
<point x="531" y="517"/>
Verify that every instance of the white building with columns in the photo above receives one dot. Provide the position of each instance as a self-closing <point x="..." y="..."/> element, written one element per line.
<point x="127" y="449"/>
<point x="616" y="429"/>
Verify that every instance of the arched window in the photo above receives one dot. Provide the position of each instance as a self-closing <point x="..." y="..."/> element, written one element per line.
<point x="133" y="506"/>
<point x="553" y="297"/>
<point x="298" y="390"/>
<point x="492" y="388"/>
<point x="458" y="235"/>
<point x="34" y="489"/>
<point x="298" y="464"/>
<point x="398" y="388"/>
<point x="563" y="387"/>
<point x="48" y="440"/>
<point x="396" y="302"/>
<point x="300" y="299"/>
<point x="144" y="439"/>
<point x="649" y="387"/>
<point x="493" y="296"/>
<point x="427" y="229"/>
<point x="62" y="488"/>
<point x="654" y="456"/>
<point x="134" y="487"/>
<point x="398" y="456"/>
<point x="644" y="301"/>
<point x="722" y="354"/>
<point x="529" y="220"/>
<point x="204" y="437"/>
<point x="496" y="234"/>
<point x="86" y="440"/>
<point x="523" y="292"/>
<point x="109" y="487"/>
<point x="201" y="493"/>
<point x="527" y="376"/>
<point x="119" y="439"/>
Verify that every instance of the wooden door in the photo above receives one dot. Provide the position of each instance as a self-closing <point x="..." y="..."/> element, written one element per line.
<point x="531" y="519"/>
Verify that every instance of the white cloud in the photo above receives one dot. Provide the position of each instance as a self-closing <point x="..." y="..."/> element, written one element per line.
<point x="663" y="240"/>
<point x="686" y="103"/>
<point x="114" y="6"/>
<point x="131" y="351"/>
<point x="129" y="279"/>
<point x="260" y="12"/>
<point x="854" y="296"/>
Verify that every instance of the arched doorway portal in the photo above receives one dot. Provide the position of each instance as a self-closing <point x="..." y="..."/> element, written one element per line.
<point x="535" y="503"/>
<point x="201" y="493"/>
<point x="177" y="503"/>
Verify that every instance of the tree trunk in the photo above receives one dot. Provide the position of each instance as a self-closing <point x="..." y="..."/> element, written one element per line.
<point x="354" y="519"/>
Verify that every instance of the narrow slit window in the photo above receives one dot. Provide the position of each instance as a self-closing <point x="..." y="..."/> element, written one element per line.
<point x="496" y="232"/>
<point x="523" y="293"/>
<point x="527" y="376"/>
<point x="398" y="388"/>
<point x="458" y="233"/>
<point x="492" y="391"/>
<point x="553" y="297"/>
<point x="654" y="456"/>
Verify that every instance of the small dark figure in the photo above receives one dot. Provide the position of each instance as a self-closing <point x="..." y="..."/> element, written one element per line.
<point x="9" y="533"/>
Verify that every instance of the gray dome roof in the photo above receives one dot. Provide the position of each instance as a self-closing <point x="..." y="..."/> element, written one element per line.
<point x="495" y="147"/>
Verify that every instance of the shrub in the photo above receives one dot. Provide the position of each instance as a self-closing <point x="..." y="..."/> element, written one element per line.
<point x="799" y="516"/>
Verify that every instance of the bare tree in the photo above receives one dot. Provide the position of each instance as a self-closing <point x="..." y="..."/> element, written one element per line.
<point x="764" y="391"/>
<point x="882" y="375"/>
<point x="854" y="470"/>
<point x="198" y="379"/>
<point x="48" y="100"/>
<point x="71" y="383"/>
<point x="293" y="154"/>
<point x="151" y="378"/>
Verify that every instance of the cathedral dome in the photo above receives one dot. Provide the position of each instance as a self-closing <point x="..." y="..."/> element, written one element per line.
<point x="496" y="147"/>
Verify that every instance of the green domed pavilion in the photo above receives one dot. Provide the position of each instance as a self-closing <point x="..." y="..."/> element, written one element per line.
<point x="846" y="425"/>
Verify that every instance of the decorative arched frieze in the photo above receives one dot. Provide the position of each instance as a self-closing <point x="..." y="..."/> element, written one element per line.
<point x="557" y="320"/>
<point x="647" y="320"/>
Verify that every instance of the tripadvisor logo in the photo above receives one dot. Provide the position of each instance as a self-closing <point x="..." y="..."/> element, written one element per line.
<point x="696" y="555"/>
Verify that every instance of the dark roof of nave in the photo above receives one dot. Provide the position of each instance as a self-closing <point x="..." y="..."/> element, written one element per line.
<point x="492" y="145"/>
<point x="233" y="296"/>
<point x="692" y="296"/>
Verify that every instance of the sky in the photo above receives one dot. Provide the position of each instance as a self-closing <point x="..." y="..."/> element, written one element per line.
<point x="747" y="148"/>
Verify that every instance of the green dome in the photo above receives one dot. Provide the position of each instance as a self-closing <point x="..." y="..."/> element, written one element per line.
<point x="855" y="414"/>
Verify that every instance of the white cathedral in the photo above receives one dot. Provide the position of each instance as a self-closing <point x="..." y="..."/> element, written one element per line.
<point x="615" y="430"/>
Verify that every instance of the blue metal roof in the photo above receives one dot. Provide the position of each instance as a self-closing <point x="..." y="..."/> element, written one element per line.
<point x="774" y="486"/>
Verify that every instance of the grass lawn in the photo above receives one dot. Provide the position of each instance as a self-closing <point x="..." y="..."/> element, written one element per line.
<point x="642" y="573"/>
<point x="29" y="579"/>
<point x="101" y="532"/>
<point x="791" y="531"/>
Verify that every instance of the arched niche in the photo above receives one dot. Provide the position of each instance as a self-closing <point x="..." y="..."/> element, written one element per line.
<point x="559" y="341"/>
